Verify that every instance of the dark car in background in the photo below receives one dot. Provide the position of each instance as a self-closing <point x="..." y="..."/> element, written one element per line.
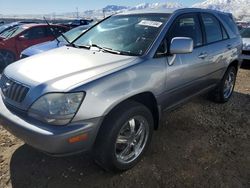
<point x="15" y="40"/>
<point x="78" y="22"/>
<point x="245" y="34"/>
<point x="60" y="41"/>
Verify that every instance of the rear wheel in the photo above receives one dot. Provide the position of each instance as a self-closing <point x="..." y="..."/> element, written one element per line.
<point x="124" y="137"/>
<point x="225" y="89"/>
<point x="6" y="58"/>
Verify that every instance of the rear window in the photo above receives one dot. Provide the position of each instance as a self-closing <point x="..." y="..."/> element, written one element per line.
<point x="212" y="28"/>
<point x="230" y="23"/>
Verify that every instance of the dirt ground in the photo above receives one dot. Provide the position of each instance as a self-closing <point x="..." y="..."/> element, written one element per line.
<point x="202" y="144"/>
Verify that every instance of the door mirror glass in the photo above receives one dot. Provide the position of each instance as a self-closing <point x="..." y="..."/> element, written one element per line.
<point x="181" y="45"/>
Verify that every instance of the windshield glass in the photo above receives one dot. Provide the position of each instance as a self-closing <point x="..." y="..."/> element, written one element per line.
<point x="12" y="32"/>
<point x="132" y="34"/>
<point x="3" y="27"/>
<point x="73" y="33"/>
<point x="245" y="33"/>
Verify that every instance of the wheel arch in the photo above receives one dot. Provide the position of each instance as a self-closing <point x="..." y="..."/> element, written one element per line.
<point x="235" y="64"/>
<point x="146" y="98"/>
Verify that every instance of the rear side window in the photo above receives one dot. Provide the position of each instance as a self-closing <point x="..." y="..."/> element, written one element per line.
<point x="230" y="23"/>
<point x="186" y="25"/>
<point x="57" y="31"/>
<point x="212" y="28"/>
<point x="35" y="33"/>
<point x="224" y="33"/>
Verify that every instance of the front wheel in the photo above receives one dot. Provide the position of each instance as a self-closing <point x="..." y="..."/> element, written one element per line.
<point x="226" y="87"/>
<point x="124" y="137"/>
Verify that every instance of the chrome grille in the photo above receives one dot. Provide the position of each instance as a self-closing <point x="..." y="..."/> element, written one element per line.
<point x="13" y="90"/>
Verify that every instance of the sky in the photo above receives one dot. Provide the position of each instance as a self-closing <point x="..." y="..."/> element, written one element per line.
<point x="60" y="6"/>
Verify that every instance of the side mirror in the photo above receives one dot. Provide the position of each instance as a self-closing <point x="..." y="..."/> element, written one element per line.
<point x="22" y="37"/>
<point x="181" y="45"/>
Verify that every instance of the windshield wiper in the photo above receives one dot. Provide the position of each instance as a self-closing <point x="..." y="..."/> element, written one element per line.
<point x="81" y="46"/>
<point x="128" y="53"/>
<point x="104" y="49"/>
<point x="53" y="32"/>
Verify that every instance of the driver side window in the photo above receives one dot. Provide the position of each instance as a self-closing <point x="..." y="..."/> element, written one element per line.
<point x="34" y="33"/>
<point x="186" y="25"/>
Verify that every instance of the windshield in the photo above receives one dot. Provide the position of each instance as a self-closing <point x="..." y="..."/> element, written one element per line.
<point x="132" y="34"/>
<point x="245" y="33"/>
<point x="3" y="27"/>
<point x="73" y="33"/>
<point x="12" y="32"/>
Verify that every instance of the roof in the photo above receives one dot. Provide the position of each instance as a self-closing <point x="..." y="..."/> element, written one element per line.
<point x="38" y="24"/>
<point x="169" y="11"/>
<point x="148" y="11"/>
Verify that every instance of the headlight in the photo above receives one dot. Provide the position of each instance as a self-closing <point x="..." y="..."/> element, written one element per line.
<point x="56" y="108"/>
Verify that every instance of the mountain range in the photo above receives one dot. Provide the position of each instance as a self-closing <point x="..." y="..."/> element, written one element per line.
<point x="239" y="8"/>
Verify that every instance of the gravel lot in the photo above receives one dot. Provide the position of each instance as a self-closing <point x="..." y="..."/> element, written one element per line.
<point x="202" y="144"/>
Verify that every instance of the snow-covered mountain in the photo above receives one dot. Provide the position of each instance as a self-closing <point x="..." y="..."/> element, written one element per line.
<point x="169" y="5"/>
<point x="111" y="9"/>
<point x="239" y="8"/>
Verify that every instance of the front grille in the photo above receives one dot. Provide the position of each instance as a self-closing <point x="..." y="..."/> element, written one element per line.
<point x="13" y="90"/>
<point x="245" y="52"/>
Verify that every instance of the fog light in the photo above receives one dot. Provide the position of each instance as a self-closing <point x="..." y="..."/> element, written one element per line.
<point x="78" y="138"/>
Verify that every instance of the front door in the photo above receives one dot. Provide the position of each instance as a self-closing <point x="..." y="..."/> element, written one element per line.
<point x="186" y="76"/>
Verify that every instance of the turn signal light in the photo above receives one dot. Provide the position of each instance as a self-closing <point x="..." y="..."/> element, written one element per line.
<point x="78" y="138"/>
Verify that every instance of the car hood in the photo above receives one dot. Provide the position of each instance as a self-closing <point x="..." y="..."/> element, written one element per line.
<point x="66" y="68"/>
<point x="43" y="47"/>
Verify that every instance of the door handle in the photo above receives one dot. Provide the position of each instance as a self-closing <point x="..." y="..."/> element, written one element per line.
<point x="229" y="46"/>
<point x="203" y="55"/>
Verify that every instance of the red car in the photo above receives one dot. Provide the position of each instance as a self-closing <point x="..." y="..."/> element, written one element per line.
<point x="15" y="40"/>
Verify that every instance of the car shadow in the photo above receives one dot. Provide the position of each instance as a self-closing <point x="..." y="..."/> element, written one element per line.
<point x="245" y="64"/>
<point x="195" y="147"/>
<point x="41" y="170"/>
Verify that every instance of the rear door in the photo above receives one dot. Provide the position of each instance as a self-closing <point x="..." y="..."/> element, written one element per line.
<point x="218" y="47"/>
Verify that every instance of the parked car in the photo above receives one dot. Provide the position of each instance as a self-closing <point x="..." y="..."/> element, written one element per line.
<point x="106" y="92"/>
<point x="8" y="26"/>
<point x="245" y="34"/>
<point x="60" y="41"/>
<point x="5" y="27"/>
<point x="15" y="40"/>
<point x="78" y="22"/>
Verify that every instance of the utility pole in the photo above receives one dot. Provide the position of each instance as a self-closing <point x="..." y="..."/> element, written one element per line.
<point x="77" y="13"/>
<point x="103" y="11"/>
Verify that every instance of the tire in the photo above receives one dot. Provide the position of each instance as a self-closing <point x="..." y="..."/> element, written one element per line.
<point x="115" y="141"/>
<point x="6" y="58"/>
<point x="226" y="87"/>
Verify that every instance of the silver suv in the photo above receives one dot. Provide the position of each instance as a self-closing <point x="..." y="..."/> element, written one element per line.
<point x="106" y="91"/>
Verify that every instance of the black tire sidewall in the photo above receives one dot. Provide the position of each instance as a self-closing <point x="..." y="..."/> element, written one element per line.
<point x="112" y="125"/>
<point x="221" y="89"/>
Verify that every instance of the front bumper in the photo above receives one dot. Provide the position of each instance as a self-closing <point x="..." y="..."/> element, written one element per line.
<point x="47" y="138"/>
